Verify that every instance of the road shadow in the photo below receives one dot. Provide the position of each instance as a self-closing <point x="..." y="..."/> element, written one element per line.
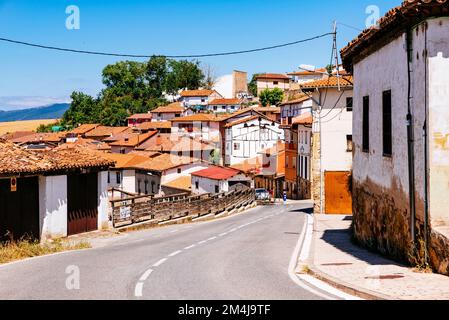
<point x="305" y="210"/>
<point x="342" y="240"/>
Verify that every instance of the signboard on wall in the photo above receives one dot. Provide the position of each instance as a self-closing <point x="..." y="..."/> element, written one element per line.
<point x="13" y="184"/>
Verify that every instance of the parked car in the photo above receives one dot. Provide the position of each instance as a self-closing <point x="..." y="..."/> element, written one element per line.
<point x="262" y="194"/>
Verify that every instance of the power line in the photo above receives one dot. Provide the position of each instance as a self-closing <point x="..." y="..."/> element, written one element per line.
<point x="167" y="56"/>
<point x="349" y="26"/>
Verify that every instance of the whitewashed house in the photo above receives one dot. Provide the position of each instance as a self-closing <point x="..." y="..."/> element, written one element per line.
<point x="215" y="180"/>
<point x="202" y="125"/>
<point x="332" y="143"/>
<point x="198" y="99"/>
<point x="168" y="112"/>
<point x="401" y="129"/>
<point x="224" y="105"/>
<point x="247" y="137"/>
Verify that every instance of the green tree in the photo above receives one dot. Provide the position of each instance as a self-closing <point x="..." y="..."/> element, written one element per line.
<point x="83" y="109"/>
<point x="252" y="85"/>
<point x="271" y="97"/>
<point x="183" y="74"/>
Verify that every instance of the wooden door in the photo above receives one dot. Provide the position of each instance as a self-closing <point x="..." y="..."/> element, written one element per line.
<point x="82" y="203"/>
<point x="338" y="199"/>
<point x="19" y="210"/>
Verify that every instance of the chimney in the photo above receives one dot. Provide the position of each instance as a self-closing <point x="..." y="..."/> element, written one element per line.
<point x="158" y="140"/>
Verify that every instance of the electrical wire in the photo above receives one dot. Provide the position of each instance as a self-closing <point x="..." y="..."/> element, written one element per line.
<point x="167" y="56"/>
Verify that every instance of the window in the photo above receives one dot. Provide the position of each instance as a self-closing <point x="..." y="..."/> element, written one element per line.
<point x="109" y="177"/>
<point x="180" y="153"/>
<point x="203" y="100"/>
<point x="177" y="115"/>
<point x="215" y="108"/>
<point x="349" y="104"/>
<point x="275" y="83"/>
<point x="236" y="146"/>
<point x="349" y="143"/>
<point x="386" y="124"/>
<point x="217" y="189"/>
<point x="138" y="187"/>
<point x="179" y="170"/>
<point x="118" y="177"/>
<point x="306" y="173"/>
<point x="152" y="187"/>
<point x="197" y="185"/>
<point x="365" y="125"/>
<point x="146" y="187"/>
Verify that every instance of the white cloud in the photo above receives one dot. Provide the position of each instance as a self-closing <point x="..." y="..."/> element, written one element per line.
<point x="24" y="102"/>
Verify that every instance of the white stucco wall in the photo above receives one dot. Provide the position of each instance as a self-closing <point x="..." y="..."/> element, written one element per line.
<point x="251" y="140"/>
<point x="208" y="185"/>
<point x="336" y="124"/>
<point x="53" y="207"/>
<point x="186" y="170"/>
<point x="103" y="201"/>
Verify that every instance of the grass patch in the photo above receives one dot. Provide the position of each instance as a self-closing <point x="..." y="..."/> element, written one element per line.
<point x="22" y="249"/>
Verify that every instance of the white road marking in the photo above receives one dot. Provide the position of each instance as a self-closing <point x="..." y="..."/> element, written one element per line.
<point x="146" y="275"/>
<point x="222" y="234"/>
<point x="174" y="253"/>
<point x="211" y="238"/>
<point x="305" y="251"/>
<point x="233" y="230"/>
<point x="157" y="264"/>
<point x="138" y="290"/>
<point x="190" y="247"/>
<point x="201" y="242"/>
<point x="307" y="278"/>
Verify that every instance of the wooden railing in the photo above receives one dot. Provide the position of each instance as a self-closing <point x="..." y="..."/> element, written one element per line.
<point x="131" y="210"/>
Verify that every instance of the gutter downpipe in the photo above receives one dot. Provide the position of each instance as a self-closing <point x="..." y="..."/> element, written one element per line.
<point x="426" y="155"/>
<point x="410" y="143"/>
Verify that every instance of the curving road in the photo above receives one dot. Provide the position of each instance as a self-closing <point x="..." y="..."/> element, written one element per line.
<point x="245" y="256"/>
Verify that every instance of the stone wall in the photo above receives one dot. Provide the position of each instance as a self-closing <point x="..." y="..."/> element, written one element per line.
<point x="304" y="189"/>
<point x="316" y="178"/>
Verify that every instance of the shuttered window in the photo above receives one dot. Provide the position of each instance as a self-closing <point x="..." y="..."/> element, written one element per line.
<point x="365" y="125"/>
<point x="387" y="124"/>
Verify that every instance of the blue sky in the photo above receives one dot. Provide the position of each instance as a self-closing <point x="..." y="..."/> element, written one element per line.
<point x="32" y="77"/>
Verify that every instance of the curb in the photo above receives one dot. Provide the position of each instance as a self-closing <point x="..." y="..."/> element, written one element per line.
<point x="345" y="287"/>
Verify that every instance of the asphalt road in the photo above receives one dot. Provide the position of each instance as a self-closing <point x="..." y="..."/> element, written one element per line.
<point x="245" y="256"/>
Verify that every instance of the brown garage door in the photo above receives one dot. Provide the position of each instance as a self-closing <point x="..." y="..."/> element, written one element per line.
<point x="338" y="199"/>
<point x="82" y="203"/>
<point x="19" y="211"/>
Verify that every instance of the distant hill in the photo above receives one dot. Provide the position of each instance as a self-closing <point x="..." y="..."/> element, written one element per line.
<point x="54" y="111"/>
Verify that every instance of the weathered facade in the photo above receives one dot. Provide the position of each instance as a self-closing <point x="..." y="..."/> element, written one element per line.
<point x="401" y="125"/>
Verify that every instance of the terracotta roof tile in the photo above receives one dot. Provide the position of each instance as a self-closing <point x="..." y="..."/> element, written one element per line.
<point x="84" y="128"/>
<point x="197" y="93"/>
<point x="140" y="116"/>
<point x="166" y="142"/>
<point x="303" y="119"/>
<point x="104" y="131"/>
<point x="200" y="117"/>
<point x="409" y="13"/>
<point x="133" y="139"/>
<point x="154" y="125"/>
<point x="175" y="107"/>
<point x="164" y="162"/>
<point x="273" y="76"/>
<point x="15" y="160"/>
<point x="329" y="82"/>
<point x="225" y="102"/>
<point x="217" y="173"/>
<point x="181" y="183"/>
<point x="40" y="137"/>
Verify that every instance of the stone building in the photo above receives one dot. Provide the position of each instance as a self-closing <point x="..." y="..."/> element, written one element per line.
<point x="401" y="130"/>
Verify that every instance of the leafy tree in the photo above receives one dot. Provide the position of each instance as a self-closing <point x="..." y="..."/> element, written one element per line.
<point x="271" y="97"/>
<point x="252" y="85"/>
<point x="83" y="109"/>
<point x="183" y="74"/>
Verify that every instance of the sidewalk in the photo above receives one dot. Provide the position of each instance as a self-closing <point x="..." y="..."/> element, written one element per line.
<point x="336" y="260"/>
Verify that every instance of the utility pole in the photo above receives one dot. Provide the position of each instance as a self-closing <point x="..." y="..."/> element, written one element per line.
<point x="335" y="53"/>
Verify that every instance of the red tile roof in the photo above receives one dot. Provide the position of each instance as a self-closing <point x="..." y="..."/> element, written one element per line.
<point x="84" y="128"/>
<point x="273" y="76"/>
<point x="200" y="117"/>
<point x="329" y="82"/>
<point x="303" y="119"/>
<point x="166" y="142"/>
<point x="16" y="161"/>
<point x="133" y="139"/>
<point x="197" y="93"/>
<point x="239" y="121"/>
<point x="104" y="131"/>
<point x="40" y="137"/>
<point x="154" y="125"/>
<point x="225" y="102"/>
<point x="408" y="14"/>
<point x="140" y="116"/>
<point x="175" y="107"/>
<point x="217" y="173"/>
